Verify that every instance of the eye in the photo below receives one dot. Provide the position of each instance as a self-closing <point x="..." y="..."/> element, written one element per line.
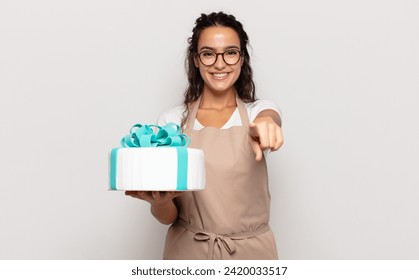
<point x="232" y="52"/>
<point x="207" y="54"/>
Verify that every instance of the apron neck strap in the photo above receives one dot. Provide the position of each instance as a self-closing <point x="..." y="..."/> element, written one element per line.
<point x="194" y="110"/>
<point x="243" y="112"/>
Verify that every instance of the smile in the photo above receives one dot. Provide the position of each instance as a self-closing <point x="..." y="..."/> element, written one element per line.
<point x="219" y="75"/>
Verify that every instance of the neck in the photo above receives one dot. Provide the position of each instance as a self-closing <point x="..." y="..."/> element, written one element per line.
<point x="210" y="100"/>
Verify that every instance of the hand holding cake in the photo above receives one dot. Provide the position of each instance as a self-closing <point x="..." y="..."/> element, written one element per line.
<point x="155" y="198"/>
<point x="162" y="206"/>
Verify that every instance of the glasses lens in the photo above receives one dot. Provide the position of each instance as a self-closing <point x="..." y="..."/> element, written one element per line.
<point x="231" y="56"/>
<point x="208" y="58"/>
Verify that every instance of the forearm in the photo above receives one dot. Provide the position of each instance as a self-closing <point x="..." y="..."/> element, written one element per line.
<point x="270" y="114"/>
<point x="165" y="213"/>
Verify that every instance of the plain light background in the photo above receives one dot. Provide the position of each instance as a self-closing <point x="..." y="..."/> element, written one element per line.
<point x="75" y="75"/>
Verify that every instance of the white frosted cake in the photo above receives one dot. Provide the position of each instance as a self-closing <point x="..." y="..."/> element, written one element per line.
<point x="156" y="169"/>
<point x="170" y="166"/>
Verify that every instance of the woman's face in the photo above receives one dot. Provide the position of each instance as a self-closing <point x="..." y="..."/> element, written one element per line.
<point x="220" y="77"/>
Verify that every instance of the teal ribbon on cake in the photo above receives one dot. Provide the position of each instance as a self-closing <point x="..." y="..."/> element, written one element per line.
<point x="144" y="136"/>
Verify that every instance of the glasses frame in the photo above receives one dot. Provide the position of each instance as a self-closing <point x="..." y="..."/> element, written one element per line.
<point x="216" y="57"/>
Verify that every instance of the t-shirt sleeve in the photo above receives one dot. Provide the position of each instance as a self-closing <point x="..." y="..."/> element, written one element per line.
<point x="260" y="105"/>
<point x="161" y="120"/>
<point x="173" y="115"/>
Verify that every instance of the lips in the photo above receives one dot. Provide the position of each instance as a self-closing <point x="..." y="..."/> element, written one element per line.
<point x="219" y="75"/>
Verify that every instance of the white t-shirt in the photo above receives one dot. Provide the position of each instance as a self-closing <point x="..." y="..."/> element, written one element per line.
<point x="253" y="109"/>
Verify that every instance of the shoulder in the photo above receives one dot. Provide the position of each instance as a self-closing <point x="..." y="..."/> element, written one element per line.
<point x="172" y="115"/>
<point x="254" y="108"/>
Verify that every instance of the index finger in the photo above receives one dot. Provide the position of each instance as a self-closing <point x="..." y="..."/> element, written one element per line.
<point x="253" y="130"/>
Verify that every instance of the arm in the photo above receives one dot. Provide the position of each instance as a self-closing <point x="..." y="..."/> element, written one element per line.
<point x="162" y="205"/>
<point x="265" y="132"/>
<point x="269" y="114"/>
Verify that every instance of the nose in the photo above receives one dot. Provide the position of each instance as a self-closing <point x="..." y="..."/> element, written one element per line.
<point x="219" y="61"/>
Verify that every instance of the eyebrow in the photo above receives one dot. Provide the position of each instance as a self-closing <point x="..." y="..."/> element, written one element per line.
<point x="213" y="49"/>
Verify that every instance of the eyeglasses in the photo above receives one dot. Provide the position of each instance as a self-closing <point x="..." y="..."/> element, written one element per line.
<point x="209" y="58"/>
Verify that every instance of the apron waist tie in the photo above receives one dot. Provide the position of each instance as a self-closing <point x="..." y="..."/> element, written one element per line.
<point x="223" y="241"/>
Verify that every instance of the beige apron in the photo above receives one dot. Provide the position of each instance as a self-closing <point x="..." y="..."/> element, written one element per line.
<point x="230" y="218"/>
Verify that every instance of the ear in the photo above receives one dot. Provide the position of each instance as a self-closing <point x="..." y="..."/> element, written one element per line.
<point x="196" y="61"/>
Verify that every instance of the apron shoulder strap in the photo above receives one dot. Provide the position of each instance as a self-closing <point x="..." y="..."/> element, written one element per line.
<point x="193" y="110"/>
<point x="243" y="112"/>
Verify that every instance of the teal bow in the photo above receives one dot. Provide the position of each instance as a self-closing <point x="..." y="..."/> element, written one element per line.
<point x="144" y="136"/>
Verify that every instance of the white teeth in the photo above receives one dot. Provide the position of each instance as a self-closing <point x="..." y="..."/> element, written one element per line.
<point x="220" y="75"/>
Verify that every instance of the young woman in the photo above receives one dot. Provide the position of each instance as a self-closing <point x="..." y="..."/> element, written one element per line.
<point x="230" y="218"/>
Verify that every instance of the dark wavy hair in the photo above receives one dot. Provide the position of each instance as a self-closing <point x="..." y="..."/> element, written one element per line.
<point x="245" y="87"/>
